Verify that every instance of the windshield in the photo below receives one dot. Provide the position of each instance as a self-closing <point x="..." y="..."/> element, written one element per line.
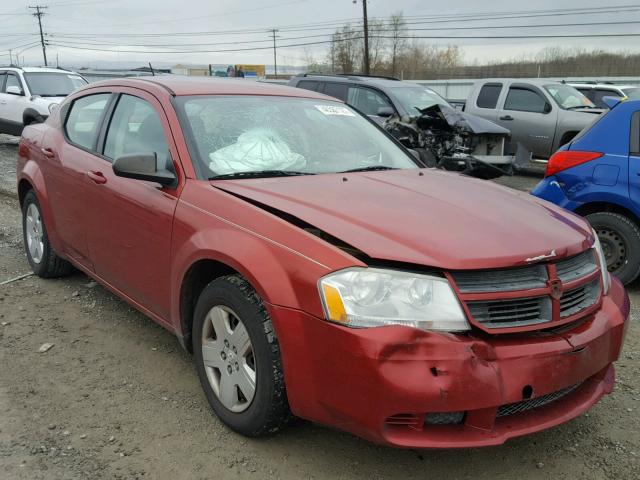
<point x="632" y="93"/>
<point x="568" y="97"/>
<point x="412" y="98"/>
<point x="235" y="135"/>
<point x="50" y="84"/>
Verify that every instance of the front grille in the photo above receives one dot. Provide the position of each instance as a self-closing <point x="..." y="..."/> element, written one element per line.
<point x="483" y="292"/>
<point x="576" y="267"/>
<point x="579" y="298"/>
<point x="525" y="278"/>
<point x="533" y="403"/>
<point x="510" y="313"/>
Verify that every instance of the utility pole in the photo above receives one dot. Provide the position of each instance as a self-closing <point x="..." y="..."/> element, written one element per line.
<point x="365" y="22"/>
<point x="10" y="59"/>
<point x="39" y="12"/>
<point x="275" y="59"/>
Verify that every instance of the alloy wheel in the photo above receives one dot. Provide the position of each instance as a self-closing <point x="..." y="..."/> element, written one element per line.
<point x="34" y="233"/>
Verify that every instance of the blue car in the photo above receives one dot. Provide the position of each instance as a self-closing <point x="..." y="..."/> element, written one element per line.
<point x="597" y="175"/>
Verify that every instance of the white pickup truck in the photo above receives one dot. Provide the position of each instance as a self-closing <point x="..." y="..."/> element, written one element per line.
<point x="541" y="114"/>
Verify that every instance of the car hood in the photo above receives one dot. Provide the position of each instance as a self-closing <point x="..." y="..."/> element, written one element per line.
<point x="458" y="120"/>
<point x="426" y="217"/>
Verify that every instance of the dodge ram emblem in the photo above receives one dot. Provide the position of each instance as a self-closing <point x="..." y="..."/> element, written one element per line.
<point x="556" y="289"/>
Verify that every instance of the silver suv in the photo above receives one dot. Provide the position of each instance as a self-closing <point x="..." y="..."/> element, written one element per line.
<point x="28" y="95"/>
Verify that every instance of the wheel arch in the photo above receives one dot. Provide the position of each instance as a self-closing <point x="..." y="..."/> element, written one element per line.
<point x="196" y="278"/>
<point x="595" y="207"/>
<point x="30" y="114"/>
<point x="24" y="186"/>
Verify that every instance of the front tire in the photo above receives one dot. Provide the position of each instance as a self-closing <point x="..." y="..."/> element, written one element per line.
<point x="620" y="240"/>
<point x="238" y="358"/>
<point x="44" y="261"/>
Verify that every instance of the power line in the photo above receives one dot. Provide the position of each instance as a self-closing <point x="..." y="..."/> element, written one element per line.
<point x="432" y="37"/>
<point x="87" y="40"/>
<point x="39" y="13"/>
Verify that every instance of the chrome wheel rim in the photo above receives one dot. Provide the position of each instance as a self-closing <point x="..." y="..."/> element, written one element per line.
<point x="228" y="357"/>
<point x="34" y="233"/>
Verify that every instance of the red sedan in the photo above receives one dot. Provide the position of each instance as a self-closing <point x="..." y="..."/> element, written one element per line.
<point x="315" y="268"/>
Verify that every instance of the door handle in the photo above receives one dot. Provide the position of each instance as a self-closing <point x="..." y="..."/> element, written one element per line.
<point x="47" y="152"/>
<point x="506" y="117"/>
<point x="97" y="177"/>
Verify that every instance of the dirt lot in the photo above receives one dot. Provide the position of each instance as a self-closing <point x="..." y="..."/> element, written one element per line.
<point x="116" y="397"/>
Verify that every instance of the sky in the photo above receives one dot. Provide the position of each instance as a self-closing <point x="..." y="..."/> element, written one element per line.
<point x="130" y="33"/>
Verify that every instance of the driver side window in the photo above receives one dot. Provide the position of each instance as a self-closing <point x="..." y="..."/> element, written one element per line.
<point x="367" y="100"/>
<point x="136" y="128"/>
<point x="524" y="100"/>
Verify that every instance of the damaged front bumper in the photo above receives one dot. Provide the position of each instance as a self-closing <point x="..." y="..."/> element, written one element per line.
<point x="410" y="388"/>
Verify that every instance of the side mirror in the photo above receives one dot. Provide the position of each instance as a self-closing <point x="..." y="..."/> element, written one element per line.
<point x="13" y="90"/>
<point x="385" y="112"/>
<point x="547" y="108"/>
<point x="142" y="166"/>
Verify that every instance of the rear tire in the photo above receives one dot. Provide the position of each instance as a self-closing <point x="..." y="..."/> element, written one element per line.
<point x="44" y="261"/>
<point x="620" y="239"/>
<point x="256" y="407"/>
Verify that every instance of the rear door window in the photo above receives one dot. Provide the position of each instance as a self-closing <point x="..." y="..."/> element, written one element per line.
<point x="524" y="100"/>
<point x="488" y="96"/>
<point x="336" y="90"/>
<point x="309" y="85"/>
<point x="83" y="121"/>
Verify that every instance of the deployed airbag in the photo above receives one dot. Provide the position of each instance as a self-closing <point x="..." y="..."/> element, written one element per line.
<point x="256" y="150"/>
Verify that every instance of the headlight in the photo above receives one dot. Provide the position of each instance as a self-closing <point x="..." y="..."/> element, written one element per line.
<point x="606" y="276"/>
<point x="371" y="297"/>
<point x="52" y="107"/>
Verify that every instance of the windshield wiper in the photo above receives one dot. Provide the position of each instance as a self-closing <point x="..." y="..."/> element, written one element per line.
<point x="579" y="106"/>
<point x="258" y="174"/>
<point x="370" y="168"/>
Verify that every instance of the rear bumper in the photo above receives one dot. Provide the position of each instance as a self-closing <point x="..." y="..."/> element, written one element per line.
<point x="355" y="379"/>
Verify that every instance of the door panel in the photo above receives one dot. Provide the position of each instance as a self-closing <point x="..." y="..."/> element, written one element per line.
<point x="131" y="220"/>
<point x="524" y="115"/>
<point x="634" y="159"/>
<point x="64" y="167"/>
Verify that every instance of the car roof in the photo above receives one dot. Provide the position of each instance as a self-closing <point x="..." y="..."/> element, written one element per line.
<point x="179" y="85"/>
<point x="381" y="82"/>
<point x="600" y="85"/>
<point x="532" y="81"/>
<point x="36" y="70"/>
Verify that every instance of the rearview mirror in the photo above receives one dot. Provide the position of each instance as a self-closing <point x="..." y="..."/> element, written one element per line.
<point x="142" y="166"/>
<point x="14" y="90"/>
<point x="385" y="112"/>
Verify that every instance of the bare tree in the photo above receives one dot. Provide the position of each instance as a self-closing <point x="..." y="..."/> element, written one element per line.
<point x="397" y="32"/>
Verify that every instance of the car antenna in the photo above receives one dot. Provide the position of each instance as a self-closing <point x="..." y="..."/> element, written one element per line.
<point x="153" y="74"/>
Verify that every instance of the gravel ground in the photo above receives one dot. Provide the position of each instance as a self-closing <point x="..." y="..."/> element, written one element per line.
<point x="116" y="397"/>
